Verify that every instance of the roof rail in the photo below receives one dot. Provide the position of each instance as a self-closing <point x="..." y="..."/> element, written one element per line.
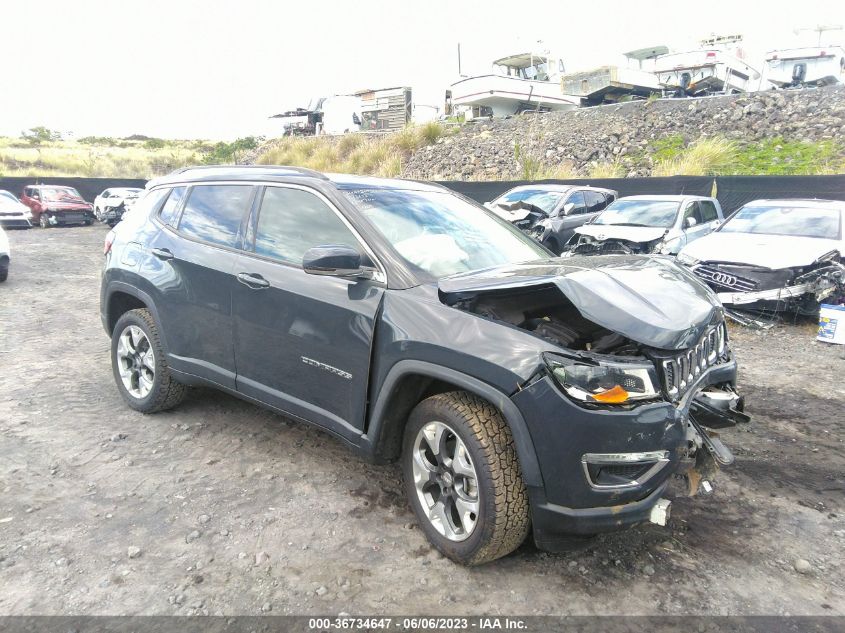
<point x="299" y="170"/>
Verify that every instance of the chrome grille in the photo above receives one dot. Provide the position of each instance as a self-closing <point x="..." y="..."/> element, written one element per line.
<point x="682" y="370"/>
<point x="714" y="275"/>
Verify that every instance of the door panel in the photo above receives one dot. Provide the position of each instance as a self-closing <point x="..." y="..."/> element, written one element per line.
<point x="194" y="303"/>
<point x="302" y="341"/>
<point x="702" y="228"/>
<point x="194" y="279"/>
<point x="573" y="214"/>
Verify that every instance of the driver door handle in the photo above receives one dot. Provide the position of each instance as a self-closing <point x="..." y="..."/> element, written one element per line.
<point x="253" y="280"/>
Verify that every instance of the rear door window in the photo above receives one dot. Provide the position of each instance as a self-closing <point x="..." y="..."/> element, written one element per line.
<point x="169" y="211"/>
<point x="292" y="220"/>
<point x="213" y="213"/>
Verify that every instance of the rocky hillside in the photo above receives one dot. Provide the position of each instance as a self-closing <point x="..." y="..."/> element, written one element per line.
<point x="630" y="139"/>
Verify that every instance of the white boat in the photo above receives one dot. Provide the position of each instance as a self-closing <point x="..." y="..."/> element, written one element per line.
<point x="808" y="66"/>
<point x="705" y="72"/>
<point x="519" y="83"/>
<point x="609" y="84"/>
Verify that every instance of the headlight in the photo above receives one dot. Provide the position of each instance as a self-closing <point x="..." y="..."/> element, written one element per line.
<point x="687" y="260"/>
<point x="605" y="380"/>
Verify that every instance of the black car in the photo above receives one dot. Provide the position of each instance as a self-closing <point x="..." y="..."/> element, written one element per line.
<point x="518" y="390"/>
<point x="550" y="213"/>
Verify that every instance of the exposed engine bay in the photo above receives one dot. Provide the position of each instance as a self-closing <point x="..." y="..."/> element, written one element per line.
<point x="587" y="245"/>
<point x="523" y="215"/>
<point x="545" y="312"/>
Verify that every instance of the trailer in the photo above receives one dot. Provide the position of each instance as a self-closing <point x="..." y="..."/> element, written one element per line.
<point x="611" y="84"/>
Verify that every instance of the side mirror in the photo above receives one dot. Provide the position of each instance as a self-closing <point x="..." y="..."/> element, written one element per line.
<point x="567" y="208"/>
<point x="690" y="222"/>
<point x="337" y="260"/>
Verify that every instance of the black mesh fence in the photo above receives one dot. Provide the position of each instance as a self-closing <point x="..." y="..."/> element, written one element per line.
<point x="732" y="191"/>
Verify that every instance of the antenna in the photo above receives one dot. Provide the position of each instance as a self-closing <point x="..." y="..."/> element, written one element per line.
<point x="821" y="29"/>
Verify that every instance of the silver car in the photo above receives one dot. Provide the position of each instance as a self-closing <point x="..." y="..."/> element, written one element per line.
<point x="648" y="224"/>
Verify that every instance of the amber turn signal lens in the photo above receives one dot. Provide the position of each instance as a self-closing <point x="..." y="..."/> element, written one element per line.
<point x="614" y="395"/>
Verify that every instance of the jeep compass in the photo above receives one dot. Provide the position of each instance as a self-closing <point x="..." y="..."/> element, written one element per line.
<point x="519" y="391"/>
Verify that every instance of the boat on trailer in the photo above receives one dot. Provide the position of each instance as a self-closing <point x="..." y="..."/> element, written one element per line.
<point x="611" y="84"/>
<point x="526" y="82"/>
<point x="717" y="67"/>
<point x="808" y="66"/>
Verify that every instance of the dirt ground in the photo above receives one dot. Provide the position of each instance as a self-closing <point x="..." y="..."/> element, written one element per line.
<point x="220" y="507"/>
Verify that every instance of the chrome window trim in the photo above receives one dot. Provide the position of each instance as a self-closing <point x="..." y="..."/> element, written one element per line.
<point x="660" y="459"/>
<point x="380" y="275"/>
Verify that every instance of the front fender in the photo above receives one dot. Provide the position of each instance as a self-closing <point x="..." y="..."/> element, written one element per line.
<point x="519" y="429"/>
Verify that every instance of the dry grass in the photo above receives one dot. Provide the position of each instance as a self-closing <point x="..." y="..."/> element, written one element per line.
<point x="368" y="154"/>
<point x="608" y="169"/>
<point x="705" y="157"/>
<point x="71" y="158"/>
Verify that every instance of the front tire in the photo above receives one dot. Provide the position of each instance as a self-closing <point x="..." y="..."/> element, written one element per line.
<point x="43" y="222"/>
<point x="463" y="479"/>
<point x="139" y="365"/>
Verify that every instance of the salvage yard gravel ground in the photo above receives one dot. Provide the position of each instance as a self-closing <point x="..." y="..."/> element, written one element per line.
<point x="219" y="507"/>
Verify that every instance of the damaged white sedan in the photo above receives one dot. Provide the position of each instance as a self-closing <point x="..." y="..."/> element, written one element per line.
<point x="774" y="255"/>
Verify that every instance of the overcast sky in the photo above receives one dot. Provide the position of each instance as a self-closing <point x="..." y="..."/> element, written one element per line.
<point x="214" y="69"/>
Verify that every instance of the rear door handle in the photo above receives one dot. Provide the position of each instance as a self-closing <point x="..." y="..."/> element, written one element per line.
<point x="253" y="280"/>
<point x="162" y="253"/>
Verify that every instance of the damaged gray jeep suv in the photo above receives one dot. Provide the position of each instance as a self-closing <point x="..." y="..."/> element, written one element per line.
<point x="520" y="392"/>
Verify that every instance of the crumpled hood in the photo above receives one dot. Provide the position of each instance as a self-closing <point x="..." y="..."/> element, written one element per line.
<point x="766" y="251"/>
<point x="651" y="300"/>
<point x="638" y="234"/>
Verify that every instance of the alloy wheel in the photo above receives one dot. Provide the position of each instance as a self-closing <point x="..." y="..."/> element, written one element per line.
<point x="446" y="481"/>
<point x="135" y="361"/>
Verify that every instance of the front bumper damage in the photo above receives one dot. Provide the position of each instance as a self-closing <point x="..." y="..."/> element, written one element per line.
<point x="644" y="447"/>
<point x="801" y="292"/>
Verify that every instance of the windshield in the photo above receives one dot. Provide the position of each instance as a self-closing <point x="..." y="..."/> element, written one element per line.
<point x="443" y="234"/>
<point x="655" y="213"/>
<point x="5" y="195"/>
<point x="797" y="221"/>
<point x="544" y="199"/>
<point x="57" y="194"/>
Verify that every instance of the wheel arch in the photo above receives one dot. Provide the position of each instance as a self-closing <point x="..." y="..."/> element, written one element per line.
<point x="411" y="381"/>
<point x="120" y="299"/>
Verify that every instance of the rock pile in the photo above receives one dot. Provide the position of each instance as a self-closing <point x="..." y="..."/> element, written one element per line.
<point x="624" y="133"/>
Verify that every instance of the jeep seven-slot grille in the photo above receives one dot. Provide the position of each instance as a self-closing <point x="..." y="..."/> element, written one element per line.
<point x="680" y="371"/>
<point x="715" y="276"/>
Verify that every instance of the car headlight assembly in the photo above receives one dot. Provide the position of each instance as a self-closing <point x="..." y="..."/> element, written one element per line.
<point x="604" y="380"/>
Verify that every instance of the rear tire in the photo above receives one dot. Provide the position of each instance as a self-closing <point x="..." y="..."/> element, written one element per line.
<point x="139" y="365"/>
<point x="4" y="271"/>
<point x="470" y="523"/>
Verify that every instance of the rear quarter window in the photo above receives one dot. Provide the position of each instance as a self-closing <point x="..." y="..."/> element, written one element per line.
<point x="169" y="211"/>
